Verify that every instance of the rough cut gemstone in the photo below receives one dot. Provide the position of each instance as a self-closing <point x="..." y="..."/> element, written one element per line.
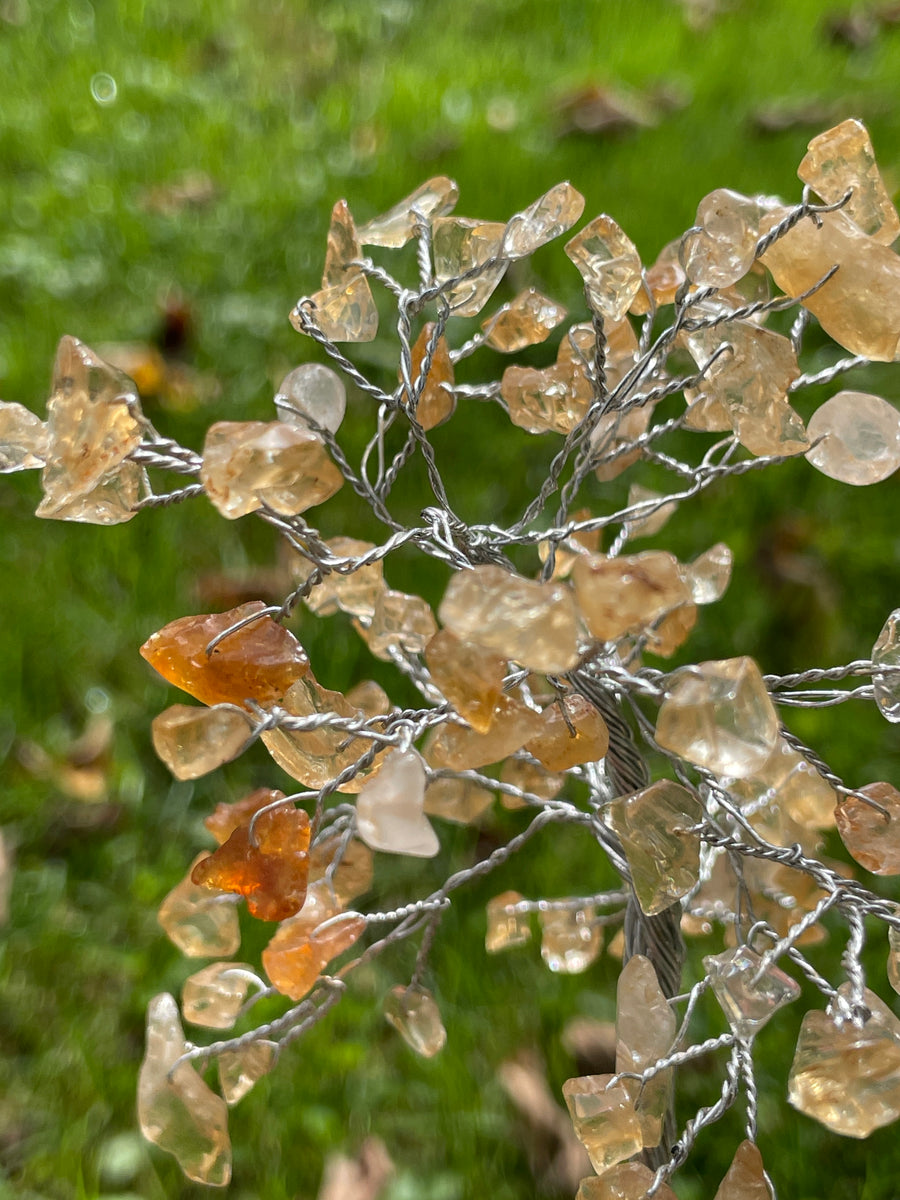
<point x="389" y="808"/>
<point x="226" y="818"/>
<point x="664" y="858"/>
<point x="748" y="992"/>
<point x="352" y="591"/>
<point x="347" y="865"/>
<point x="436" y="402"/>
<point x="787" y="780"/>
<point x="461" y="749"/>
<point x="893" y="961"/>
<point x="662" y="280"/>
<point x="860" y="305"/>
<point x="412" y="1011"/>
<point x="312" y="392"/>
<point x="604" y="1119"/>
<point x="722" y="250"/>
<point x="842" y="159"/>
<point x="571" y="940"/>
<point x="250" y="463"/>
<point x="505" y="926"/>
<point x="265" y="861"/>
<point x="645" y="1033"/>
<point x="613" y="441"/>
<point x="626" y="1181"/>
<point x="23" y="438"/>
<point x="400" y="621"/>
<point x="176" y="1110"/>
<point x="112" y="502"/>
<point x="574" y="732"/>
<point x="397" y="226"/>
<point x="202" y="924"/>
<point x="529" y="777"/>
<point x="609" y="264"/>
<point x="846" y="1076"/>
<point x="666" y="635"/>
<point x="746" y="1178"/>
<point x="342" y="247"/>
<point x="709" y="574"/>
<point x="525" y="321"/>
<point x="860" y="438"/>
<point x="579" y="347"/>
<point x="213" y="996"/>
<point x="458" y="800"/>
<point x="532" y="622"/>
<point x="461" y="244"/>
<point x="886" y="653"/>
<point x="194" y="741"/>
<point x="370" y="698"/>
<point x="468" y="675"/>
<point x="345" y="313"/>
<point x="625" y="594"/>
<point x="871" y="832"/>
<point x="719" y="715"/>
<point x="240" y="1069"/>
<point x="258" y="662"/>
<point x="543" y="400"/>
<point x="304" y="945"/>
<point x="541" y="222"/>
<point x="657" y="516"/>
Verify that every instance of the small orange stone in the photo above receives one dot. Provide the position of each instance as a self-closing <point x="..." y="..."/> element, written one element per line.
<point x="270" y="869"/>
<point x="435" y="403"/>
<point x="577" y="736"/>
<point x="258" y="662"/>
<point x="301" y="949"/>
<point x="227" y="817"/>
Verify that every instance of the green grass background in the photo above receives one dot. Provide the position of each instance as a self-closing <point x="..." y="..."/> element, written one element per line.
<point x="286" y="107"/>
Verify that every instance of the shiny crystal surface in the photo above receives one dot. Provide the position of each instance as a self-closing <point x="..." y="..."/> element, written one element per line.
<point x="574" y="732"/>
<point x="545" y="219"/>
<point x="645" y="1033"/>
<point x="352" y="591"/>
<point x="860" y="438"/>
<point x="621" y="595"/>
<point x="871" y="832"/>
<point x="525" y="321"/>
<point x="609" y="265"/>
<point x="312" y="391"/>
<point x="571" y="940"/>
<point x="462" y="749"/>
<point x="345" y="313"/>
<point x="709" y="574"/>
<point x="23" y="438"/>
<point x="213" y="996"/>
<point x="842" y="159"/>
<point x="413" y="1012"/>
<point x="663" y="857"/>
<point x="460" y="245"/>
<point x="749" y="992"/>
<point x="389" y="808"/>
<point x="397" y="226"/>
<point x="746" y="1178"/>
<point x="543" y="400"/>
<point x="226" y="818"/>
<point x="400" y="621"/>
<point x="240" y="1069"/>
<point x="468" y="675"/>
<point x="723" y="248"/>
<point x="787" y="780"/>
<point x="304" y="945"/>
<point x="194" y="741"/>
<point x="886" y="653"/>
<point x="626" y="1181"/>
<point x="506" y="928"/>
<point x="604" y="1120"/>
<point x="436" y="402"/>
<point x="201" y="923"/>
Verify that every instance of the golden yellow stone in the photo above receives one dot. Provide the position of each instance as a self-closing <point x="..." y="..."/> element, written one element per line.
<point x="746" y="1178"/>
<point x="214" y="995"/>
<point x="672" y="631"/>
<point x="663" y="279"/>
<point x="748" y="993"/>
<point x="226" y="818"/>
<point x="436" y="402"/>
<point x="525" y="321"/>
<point x="194" y="741"/>
<point x="871" y="832"/>
<point x="545" y="219"/>
<point x="645" y="1033"/>
<point x="459" y="245"/>
<point x="240" y="1069"/>
<point x="304" y="945"/>
<point x="571" y="939"/>
<point x="625" y="594"/>
<point x="460" y="748"/>
<point x="664" y="857"/>
<point x="858" y="438"/>
<point x="401" y="622"/>
<point x="551" y="399"/>
<point x="604" y="1119"/>
<point x="626" y="1181"/>
<point x="468" y="675"/>
<point x="370" y="698"/>
<point x="345" y="313"/>
<point x="609" y="264"/>
<point x="413" y="1012"/>
<point x="355" y="592"/>
<point x="530" y="777"/>
<point x="722" y="249"/>
<point x="397" y="226"/>
<point x="842" y="159"/>
<point x="389" y="808"/>
<point x="458" y="800"/>
<point x="201" y="922"/>
<point x="23" y="438"/>
<point x="788" y="780"/>
<point x="574" y="732"/>
<point x="578" y="348"/>
<point x="505" y="926"/>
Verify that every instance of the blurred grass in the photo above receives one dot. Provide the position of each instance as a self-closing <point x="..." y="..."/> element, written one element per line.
<point x="282" y="110"/>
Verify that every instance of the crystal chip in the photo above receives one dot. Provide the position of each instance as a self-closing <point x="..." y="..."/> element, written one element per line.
<point x="626" y="1181"/>
<point x="664" y="858"/>
<point x="202" y="924"/>
<point x="194" y="741"/>
<point x="570" y="939"/>
<point x="709" y="574"/>
<point x="746" y="1178"/>
<point x="347" y="864"/>
<point x="529" y="777"/>
<point x="227" y="817"/>
<point x="886" y="653"/>
<point x="370" y="698"/>
<point x="458" y="800"/>
<point x="397" y="226"/>
<point x="525" y="321"/>
<point x="604" y="1119"/>
<point x="543" y="400"/>
<point x="658" y="511"/>
<point x="23" y="438"/>
<point x="893" y="962"/>
<point x="342" y="247"/>
<point x="389" y="808"/>
<point x="461" y="245"/>
<point x="842" y="159"/>
<point x="574" y="732"/>
<point x="461" y="749"/>
<point x="400" y="621"/>
<point x="505" y="926"/>
<point x="858" y="438"/>
<point x="353" y="589"/>
<point x="749" y="991"/>
<point x="312" y="392"/>
<point x="345" y="313"/>
<point x="468" y="675"/>
<point x="723" y="248"/>
<point x="240" y="1069"/>
<point x="213" y="996"/>
<point x="788" y="781"/>
<point x="304" y="945"/>
<point x="436" y="402"/>
<point x="622" y="595"/>
<point x="871" y="832"/>
<point x="645" y="1033"/>
<point x="609" y="265"/>
<point x="545" y="219"/>
<point x="414" y="1014"/>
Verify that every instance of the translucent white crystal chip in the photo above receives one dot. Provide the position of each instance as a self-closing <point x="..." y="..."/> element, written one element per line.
<point x="858" y="438"/>
<point x="748" y="992"/>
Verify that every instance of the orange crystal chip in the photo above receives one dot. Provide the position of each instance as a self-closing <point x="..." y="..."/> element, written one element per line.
<point x="304" y="946"/>
<point x="227" y="817"/>
<point x="258" y="662"/>
<point x="270" y="869"/>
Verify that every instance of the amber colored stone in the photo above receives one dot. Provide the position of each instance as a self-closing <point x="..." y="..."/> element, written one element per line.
<point x="314" y="392"/>
<point x="545" y="219"/>
<point x="194" y="741"/>
<point x="202" y="924"/>
<point x="893" y="960"/>
<point x="609" y="264"/>
<point x="303" y="946"/>
<point x="723" y="248"/>
<point x="719" y="715"/>
<point x="370" y="698"/>
<point x="842" y="159"/>
<point x="613" y="441"/>
<point x="347" y="865"/>
<point x="257" y="662"/>
<point x="226" y="818"/>
<point x="657" y="516"/>
<point x="468" y="675"/>
<point x="458" y="800"/>
<point x="663" y="279"/>
<point x="645" y="1033"/>
<point x="604" y="1119"/>
<point x="214" y="995"/>
<point x="846" y="1076"/>
<point x="530" y="777"/>
<point x="400" y="621"/>
<point x="436" y="402"/>
<point x="413" y="1012"/>
<point x="544" y="400"/>
<point x="240" y="1069"/>
<point x="505" y="926"/>
<point x="663" y="856"/>
<point x="622" y="595"/>
<point x="176" y="1110"/>
<point x="352" y="591"/>
<point x="860" y="305"/>
<point x="746" y="1178"/>
<point x="858" y="438"/>
<point x="626" y="1181"/>
<point x="389" y="808"/>
<point x="709" y="574"/>
<point x="788" y="780"/>
<point x="345" y="313"/>
<point x="461" y="749"/>
<point x="525" y="321"/>
<point x="886" y="653"/>
<point x="532" y="622"/>
<point x="568" y="552"/>
<point x="267" y="863"/>
<point x="459" y="245"/>
<point x="92" y="426"/>
<point x="397" y="226"/>
<point x="671" y="632"/>
<point x="570" y="737"/>
<point x="749" y="993"/>
<point x="571" y="939"/>
<point x="871" y="832"/>
<point x="23" y="439"/>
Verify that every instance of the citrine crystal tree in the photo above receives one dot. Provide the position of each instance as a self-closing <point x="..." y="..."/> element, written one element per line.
<point x="535" y="689"/>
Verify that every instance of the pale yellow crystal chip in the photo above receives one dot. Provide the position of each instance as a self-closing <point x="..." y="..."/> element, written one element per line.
<point x="312" y="392"/>
<point x="571" y="939"/>
<point x="505" y="926"/>
<point x="550" y="399"/>
<point x="622" y="595"/>
<point x="709" y="574"/>
<point x="662" y="280"/>
<point x="458" y="800"/>
<point x="893" y="960"/>
<point x="461" y="244"/>
<point x="23" y="438"/>
<point x="525" y="321"/>
<point x="723" y="248"/>
<point x="645" y="1033"/>
<point x="787" y="780"/>
<point x="842" y="159"/>
<point x="345" y="313"/>
<point x="413" y="1012"/>
<point x="860" y="438"/>
<point x="370" y="697"/>
<point x="194" y="741"/>
<point x="460" y="748"/>
<point x="578" y="349"/>
<point x="658" y="510"/>
<point x="213" y="996"/>
<point x="468" y="675"/>
<point x="397" y="226"/>
<point x="176" y="1110"/>
<point x="671" y="631"/>
<point x="574" y="732"/>
<point x="627" y="1181"/>
<point x="871" y="832"/>
<point x="548" y="217"/>
<point x="529" y="777"/>
<point x="746" y="1178"/>
<point x="199" y="920"/>
<point x="389" y="808"/>
<point x="719" y="715"/>
<point x="240" y="1069"/>
<point x="663" y="856"/>
<point x="400" y="621"/>
<point x="749" y="992"/>
<point x="604" y="1119"/>
<point x="609" y="264"/>
<point x="886" y="653"/>
<point x="532" y="622"/>
<point x="353" y="591"/>
<point x="342" y="247"/>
